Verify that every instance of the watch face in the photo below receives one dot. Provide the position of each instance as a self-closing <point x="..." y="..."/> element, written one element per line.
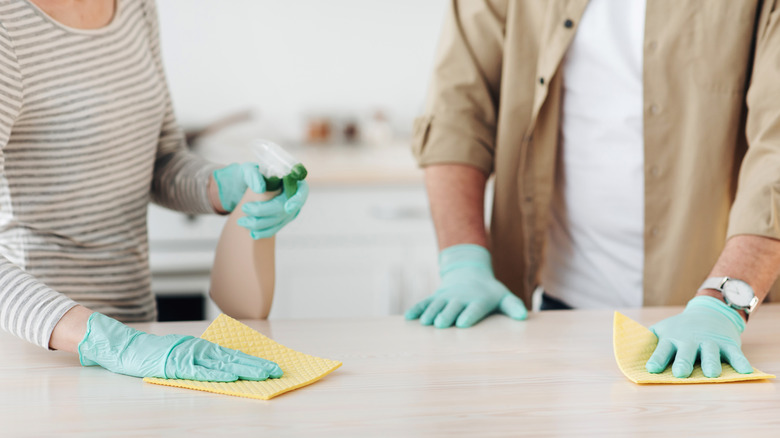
<point x="738" y="292"/>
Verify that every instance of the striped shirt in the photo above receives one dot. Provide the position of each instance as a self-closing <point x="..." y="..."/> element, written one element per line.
<point x="87" y="139"/>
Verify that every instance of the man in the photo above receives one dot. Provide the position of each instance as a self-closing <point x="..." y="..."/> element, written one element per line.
<point x="636" y="153"/>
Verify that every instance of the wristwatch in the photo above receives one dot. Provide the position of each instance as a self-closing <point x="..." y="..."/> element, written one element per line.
<point x="738" y="294"/>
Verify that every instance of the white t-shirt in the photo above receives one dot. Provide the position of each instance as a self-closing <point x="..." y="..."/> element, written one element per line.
<point x="595" y="247"/>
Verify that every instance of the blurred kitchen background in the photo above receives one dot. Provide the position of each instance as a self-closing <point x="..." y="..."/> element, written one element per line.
<point x="337" y="83"/>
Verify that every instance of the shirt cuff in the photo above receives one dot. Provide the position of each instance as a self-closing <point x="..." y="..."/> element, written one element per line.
<point x="443" y="139"/>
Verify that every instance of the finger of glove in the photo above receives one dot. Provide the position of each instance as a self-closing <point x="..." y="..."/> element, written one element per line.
<point x="415" y="311"/>
<point x="233" y="361"/>
<point x="737" y="360"/>
<point x="710" y="359"/>
<point x="432" y="311"/>
<point x="294" y="204"/>
<point x="268" y="232"/>
<point x="215" y="357"/>
<point x="245" y="372"/>
<point x="661" y="357"/>
<point x="239" y="357"/>
<point x="446" y="318"/>
<point x="474" y="313"/>
<point x="513" y="307"/>
<point x="204" y="374"/>
<point x="272" y="207"/>
<point x="253" y="178"/>
<point x="684" y="359"/>
<point x="252" y="223"/>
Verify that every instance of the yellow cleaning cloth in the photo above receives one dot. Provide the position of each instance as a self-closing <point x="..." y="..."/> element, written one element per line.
<point x="634" y="344"/>
<point x="299" y="369"/>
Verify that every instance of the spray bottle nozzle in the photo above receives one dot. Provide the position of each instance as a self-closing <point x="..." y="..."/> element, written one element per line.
<point x="278" y="167"/>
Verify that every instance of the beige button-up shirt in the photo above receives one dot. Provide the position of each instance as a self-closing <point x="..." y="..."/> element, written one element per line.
<point x="711" y="127"/>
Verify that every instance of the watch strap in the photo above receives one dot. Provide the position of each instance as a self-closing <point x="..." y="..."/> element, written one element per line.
<point x="713" y="283"/>
<point x="717" y="283"/>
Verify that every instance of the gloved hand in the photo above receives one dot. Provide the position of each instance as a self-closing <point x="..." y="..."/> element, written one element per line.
<point x="707" y="328"/>
<point x="265" y="218"/>
<point x="233" y="180"/>
<point x="468" y="292"/>
<point x="124" y="350"/>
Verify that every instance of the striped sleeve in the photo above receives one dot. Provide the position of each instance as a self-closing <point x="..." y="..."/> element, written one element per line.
<point x="180" y="177"/>
<point x="28" y="308"/>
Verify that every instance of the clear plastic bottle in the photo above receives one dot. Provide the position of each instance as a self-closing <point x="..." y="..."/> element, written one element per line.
<point x="243" y="274"/>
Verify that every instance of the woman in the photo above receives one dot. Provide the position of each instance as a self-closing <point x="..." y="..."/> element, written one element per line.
<point x="88" y="138"/>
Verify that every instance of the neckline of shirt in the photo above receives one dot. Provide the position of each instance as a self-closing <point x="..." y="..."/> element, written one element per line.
<point x="118" y="8"/>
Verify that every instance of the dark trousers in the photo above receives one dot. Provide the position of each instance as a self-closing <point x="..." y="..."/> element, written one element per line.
<point x="550" y="303"/>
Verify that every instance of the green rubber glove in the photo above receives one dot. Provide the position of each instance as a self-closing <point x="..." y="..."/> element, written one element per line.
<point x="265" y="218"/>
<point x="468" y="292"/>
<point x="232" y="181"/>
<point x="707" y="329"/>
<point x="124" y="350"/>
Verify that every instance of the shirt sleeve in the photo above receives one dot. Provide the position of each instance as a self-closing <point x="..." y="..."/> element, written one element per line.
<point x="459" y="123"/>
<point x="180" y="179"/>
<point x="756" y="208"/>
<point x="28" y="308"/>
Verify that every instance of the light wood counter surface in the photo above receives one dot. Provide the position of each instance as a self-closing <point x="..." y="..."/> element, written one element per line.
<point x="361" y="165"/>
<point x="337" y="164"/>
<point x="553" y="375"/>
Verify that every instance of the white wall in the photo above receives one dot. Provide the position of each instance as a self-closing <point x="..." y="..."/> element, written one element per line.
<point x="291" y="58"/>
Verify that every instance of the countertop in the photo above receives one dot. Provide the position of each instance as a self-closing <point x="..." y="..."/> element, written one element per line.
<point x="553" y="375"/>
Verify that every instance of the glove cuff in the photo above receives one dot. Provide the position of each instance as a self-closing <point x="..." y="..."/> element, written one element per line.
<point x="83" y="347"/>
<point x="706" y="302"/>
<point x="218" y="175"/>
<point x="105" y="340"/>
<point x="464" y="255"/>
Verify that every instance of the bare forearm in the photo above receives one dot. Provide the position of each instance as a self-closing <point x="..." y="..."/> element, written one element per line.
<point x="457" y="196"/>
<point x="70" y="330"/>
<point x="753" y="259"/>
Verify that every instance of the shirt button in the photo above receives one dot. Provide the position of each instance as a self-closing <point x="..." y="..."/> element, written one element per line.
<point x="652" y="45"/>
<point x="654" y="231"/>
<point x="655" y="108"/>
<point x="654" y="170"/>
<point x="541" y="81"/>
<point x="568" y="24"/>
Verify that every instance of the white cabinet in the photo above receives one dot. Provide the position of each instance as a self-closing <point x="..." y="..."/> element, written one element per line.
<point x="356" y="252"/>
<point x="353" y="251"/>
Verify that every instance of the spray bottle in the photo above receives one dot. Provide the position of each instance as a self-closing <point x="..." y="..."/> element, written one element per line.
<point x="243" y="274"/>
